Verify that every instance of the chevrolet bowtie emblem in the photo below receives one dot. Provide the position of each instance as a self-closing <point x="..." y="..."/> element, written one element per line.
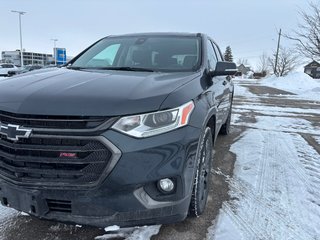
<point x="14" y="132"/>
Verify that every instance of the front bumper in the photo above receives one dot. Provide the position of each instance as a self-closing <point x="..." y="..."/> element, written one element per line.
<point x="128" y="195"/>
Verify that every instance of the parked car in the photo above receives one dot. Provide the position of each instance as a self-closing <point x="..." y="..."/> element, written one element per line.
<point x="24" y="69"/>
<point x="122" y="135"/>
<point x="6" y="67"/>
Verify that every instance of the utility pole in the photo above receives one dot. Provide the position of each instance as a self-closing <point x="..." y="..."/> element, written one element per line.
<point x="277" y="53"/>
<point x="21" y="52"/>
<point x="54" y="50"/>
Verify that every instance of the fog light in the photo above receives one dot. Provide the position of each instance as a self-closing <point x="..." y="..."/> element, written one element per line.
<point x="166" y="185"/>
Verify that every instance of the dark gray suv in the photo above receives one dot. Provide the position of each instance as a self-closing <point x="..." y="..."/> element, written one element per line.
<point x="123" y="134"/>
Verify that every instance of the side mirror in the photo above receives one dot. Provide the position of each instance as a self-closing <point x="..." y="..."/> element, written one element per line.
<point x="224" y="69"/>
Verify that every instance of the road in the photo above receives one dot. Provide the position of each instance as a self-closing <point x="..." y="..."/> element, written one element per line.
<point x="251" y="195"/>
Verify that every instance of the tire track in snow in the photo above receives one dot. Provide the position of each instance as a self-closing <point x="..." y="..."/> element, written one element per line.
<point x="302" y="154"/>
<point x="310" y="161"/>
<point x="278" y="190"/>
<point x="265" y="207"/>
<point x="271" y="207"/>
<point x="249" y="231"/>
<point x="283" y="149"/>
<point x="261" y="181"/>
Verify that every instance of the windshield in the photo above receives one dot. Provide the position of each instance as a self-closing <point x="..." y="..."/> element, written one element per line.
<point x="154" y="53"/>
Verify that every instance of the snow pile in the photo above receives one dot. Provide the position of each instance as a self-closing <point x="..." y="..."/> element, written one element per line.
<point x="296" y="82"/>
<point x="135" y="233"/>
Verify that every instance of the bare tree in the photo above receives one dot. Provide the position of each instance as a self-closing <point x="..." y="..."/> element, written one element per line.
<point x="308" y="34"/>
<point x="264" y="64"/>
<point x="287" y="62"/>
<point x="243" y="61"/>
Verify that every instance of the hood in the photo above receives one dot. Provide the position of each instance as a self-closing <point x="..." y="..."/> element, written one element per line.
<point x="61" y="91"/>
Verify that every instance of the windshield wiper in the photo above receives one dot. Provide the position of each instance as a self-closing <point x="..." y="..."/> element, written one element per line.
<point x="133" y="69"/>
<point x="74" y="68"/>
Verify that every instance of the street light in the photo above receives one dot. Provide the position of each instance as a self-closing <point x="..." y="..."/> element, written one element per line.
<point x="54" y="50"/>
<point x="21" y="53"/>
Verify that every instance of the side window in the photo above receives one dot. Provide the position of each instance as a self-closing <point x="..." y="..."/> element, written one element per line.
<point x="7" y="66"/>
<point x="212" y="58"/>
<point x="220" y="58"/>
<point x="107" y="56"/>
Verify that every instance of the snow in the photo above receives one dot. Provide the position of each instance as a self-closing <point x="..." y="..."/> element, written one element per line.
<point x="242" y="91"/>
<point x="136" y="233"/>
<point x="277" y="109"/>
<point x="225" y="229"/>
<point x="235" y="118"/>
<point x="112" y="228"/>
<point x="270" y="113"/>
<point x="6" y="212"/>
<point x="275" y="187"/>
<point x="24" y="214"/>
<point x="297" y="82"/>
<point x="285" y="124"/>
<point x="274" y="191"/>
<point x="5" y="215"/>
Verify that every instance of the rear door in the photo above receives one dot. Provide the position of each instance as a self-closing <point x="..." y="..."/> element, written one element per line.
<point x="226" y="99"/>
<point x="217" y="88"/>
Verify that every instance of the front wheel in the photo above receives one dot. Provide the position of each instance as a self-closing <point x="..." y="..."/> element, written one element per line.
<point x="201" y="182"/>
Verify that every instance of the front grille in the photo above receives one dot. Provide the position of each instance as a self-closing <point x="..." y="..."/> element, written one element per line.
<point x="61" y="151"/>
<point x="53" y="161"/>
<point x="59" y="205"/>
<point x="52" y="122"/>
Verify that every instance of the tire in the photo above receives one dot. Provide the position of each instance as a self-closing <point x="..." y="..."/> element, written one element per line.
<point x="202" y="177"/>
<point x="225" y="128"/>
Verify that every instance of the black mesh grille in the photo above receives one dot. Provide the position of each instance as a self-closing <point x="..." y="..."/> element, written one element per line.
<point x="52" y="155"/>
<point x="53" y="161"/>
<point x="51" y="122"/>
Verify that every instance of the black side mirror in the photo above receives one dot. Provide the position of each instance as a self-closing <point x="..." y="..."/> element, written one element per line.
<point x="224" y="69"/>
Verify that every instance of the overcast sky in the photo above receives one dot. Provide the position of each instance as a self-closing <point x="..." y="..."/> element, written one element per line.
<point x="248" y="26"/>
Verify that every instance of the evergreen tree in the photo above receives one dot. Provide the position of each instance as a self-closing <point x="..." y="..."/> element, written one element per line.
<point x="228" y="55"/>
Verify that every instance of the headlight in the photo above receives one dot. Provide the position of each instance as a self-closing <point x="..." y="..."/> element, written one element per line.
<point x="150" y="124"/>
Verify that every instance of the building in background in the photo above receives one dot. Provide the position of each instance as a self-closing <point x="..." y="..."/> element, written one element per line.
<point x="11" y="57"/>
<point x="313" y="69"/>
<point x="243" y="69"/>
<point x="29" y="58"/>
